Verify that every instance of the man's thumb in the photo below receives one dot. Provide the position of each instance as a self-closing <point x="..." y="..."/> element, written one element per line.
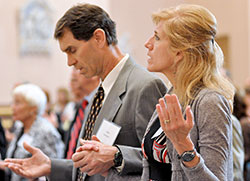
<point x="29" y="148"/>
<point x="94" y="138"/>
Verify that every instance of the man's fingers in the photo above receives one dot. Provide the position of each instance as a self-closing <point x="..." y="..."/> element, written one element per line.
<point x="94" y="137"/>
<point x="16" y="168"/>
<point x="12" y="161"/>
<point x="82" y="141"/>
<point x="77" y="156"/>
<point x="88" y="145"/>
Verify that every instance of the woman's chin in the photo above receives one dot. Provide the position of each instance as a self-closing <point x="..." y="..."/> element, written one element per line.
<point x="150" y="68"/>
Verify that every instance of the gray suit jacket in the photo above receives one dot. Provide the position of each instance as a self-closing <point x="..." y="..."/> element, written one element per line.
<point x="130" y="104"/>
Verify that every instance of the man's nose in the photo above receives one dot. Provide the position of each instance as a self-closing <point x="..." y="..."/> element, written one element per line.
<point x="71" y="60"/>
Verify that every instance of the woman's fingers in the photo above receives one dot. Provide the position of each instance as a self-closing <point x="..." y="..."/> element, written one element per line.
<point x="164" y="110"/>
<point x="189" y="117"/>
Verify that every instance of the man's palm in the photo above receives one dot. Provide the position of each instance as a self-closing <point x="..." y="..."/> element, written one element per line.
<point x="36" y="166"/>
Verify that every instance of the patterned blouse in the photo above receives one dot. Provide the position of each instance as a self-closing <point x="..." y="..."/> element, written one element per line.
<point x="42" y="135"/>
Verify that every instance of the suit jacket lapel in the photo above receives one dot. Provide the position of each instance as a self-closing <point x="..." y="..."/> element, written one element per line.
<point x="114" y="101"/>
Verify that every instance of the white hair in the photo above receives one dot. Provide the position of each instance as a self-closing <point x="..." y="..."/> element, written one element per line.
<point x="34" y="95"/>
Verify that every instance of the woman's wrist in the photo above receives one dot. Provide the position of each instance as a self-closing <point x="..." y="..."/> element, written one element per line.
<point x="182" y="146"/>
<point x="194" y="162"/>
<point x="187" y="146"/>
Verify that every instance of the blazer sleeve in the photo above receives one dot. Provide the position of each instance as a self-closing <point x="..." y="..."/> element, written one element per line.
<point x="61" y="169"/>
<point x="147" y="98"/>
<point x="213" y="119"/>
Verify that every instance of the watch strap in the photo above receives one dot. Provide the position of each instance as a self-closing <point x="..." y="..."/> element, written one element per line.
<point x="118" y="158"/>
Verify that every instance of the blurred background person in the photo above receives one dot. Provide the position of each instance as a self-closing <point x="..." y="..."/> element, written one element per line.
<point x="83" y="90"/>
<point x="64" y="108"/>
<point x="245" y="124"/>
<point x="51" y="116"/>
<point x="238" y="140"/>
<point x="29" y="104"/>
<point x="247" y="99"/>
<point x="49" y="113"/>
<point x="3" y="149"/>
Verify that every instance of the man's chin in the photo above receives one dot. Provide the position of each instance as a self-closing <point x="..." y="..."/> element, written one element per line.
<point x="86" y="75"/>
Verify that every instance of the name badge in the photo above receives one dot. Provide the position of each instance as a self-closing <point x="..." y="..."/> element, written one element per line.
<point x="107" y="132"/>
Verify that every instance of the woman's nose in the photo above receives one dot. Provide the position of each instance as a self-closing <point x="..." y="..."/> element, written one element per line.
<point x="148" y="44"/>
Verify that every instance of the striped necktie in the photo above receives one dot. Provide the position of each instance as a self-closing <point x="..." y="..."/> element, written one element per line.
<point x="76" y="129"/>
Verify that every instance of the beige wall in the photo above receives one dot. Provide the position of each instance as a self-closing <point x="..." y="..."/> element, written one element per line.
<point x="233" y="21"/>
<point x="47" y="72"/>
<point x="134" y="26"/>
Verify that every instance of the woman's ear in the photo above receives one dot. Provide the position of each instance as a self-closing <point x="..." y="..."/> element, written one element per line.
<point x="178" y="56"/>
<point x="34" y="110"/>
<point x="99" y="37"/>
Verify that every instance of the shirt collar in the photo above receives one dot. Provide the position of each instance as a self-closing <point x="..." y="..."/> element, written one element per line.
<point x="112" y="76"/>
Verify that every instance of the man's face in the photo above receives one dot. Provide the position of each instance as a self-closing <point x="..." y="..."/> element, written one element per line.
<point x="80" y="85"/>
<point x="77" y="84"/>
<point x="81" y="54"/>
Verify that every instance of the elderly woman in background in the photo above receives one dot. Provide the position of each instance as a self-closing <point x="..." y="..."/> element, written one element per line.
<point x="192" y="127"/>
<point x="28" y="106"/>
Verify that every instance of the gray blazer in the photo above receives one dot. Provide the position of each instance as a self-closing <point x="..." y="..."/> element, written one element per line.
<point x="130" y="104"/>
<point x="212" y="138"/>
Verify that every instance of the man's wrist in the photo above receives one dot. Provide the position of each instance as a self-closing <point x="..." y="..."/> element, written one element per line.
<point x="118" y="158"/>
<point x="48" y="169"/>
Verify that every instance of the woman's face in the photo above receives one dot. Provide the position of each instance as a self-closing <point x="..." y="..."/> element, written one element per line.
<point x="21" y="109"/>
<point x="161" y="58"/>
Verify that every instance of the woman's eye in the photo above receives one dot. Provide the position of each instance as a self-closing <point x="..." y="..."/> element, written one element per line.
<point x="156" y="37"/>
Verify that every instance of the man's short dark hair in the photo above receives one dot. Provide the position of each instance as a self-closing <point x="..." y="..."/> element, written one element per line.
<point x="83" y="19"/>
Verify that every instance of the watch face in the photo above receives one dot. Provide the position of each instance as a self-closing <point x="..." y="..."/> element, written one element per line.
<point x="188" y="156"/>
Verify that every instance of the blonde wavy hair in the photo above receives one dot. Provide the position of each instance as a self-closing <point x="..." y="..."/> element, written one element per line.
<point x="191" y="29"/>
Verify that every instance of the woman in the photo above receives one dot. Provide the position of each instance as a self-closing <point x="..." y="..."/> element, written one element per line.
<point x="194" y="133"/>
<point x="28" y="107"/>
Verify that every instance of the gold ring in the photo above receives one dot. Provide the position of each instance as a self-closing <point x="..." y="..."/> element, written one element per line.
<point x="166" y="121"/>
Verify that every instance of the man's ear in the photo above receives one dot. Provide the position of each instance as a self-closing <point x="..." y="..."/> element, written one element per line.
<point x="99" y="37"/>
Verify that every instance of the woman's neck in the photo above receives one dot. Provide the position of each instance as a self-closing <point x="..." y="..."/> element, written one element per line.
<point x="28" y="123"/>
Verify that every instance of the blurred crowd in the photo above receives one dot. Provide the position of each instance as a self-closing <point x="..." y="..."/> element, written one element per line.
<point x="241" y="129"/>
<point x="41" y="123"/>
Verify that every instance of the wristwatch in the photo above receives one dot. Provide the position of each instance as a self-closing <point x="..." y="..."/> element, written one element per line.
<point x="118" y="157"/>
<point x="187" y="156"/>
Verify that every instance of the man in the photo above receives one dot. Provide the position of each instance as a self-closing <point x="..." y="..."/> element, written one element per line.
<point x="88" y="36"/>
<point x="83" y="90"/>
